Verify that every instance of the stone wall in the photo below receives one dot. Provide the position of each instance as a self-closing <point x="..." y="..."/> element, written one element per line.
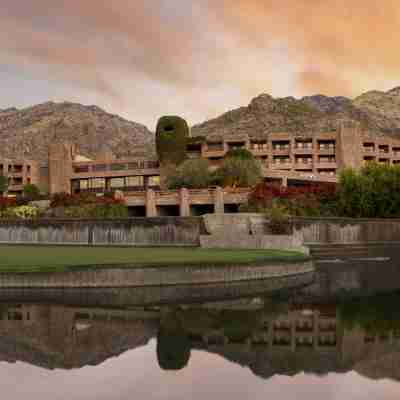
<point x="167" y="231"/>
<point x="134" y="276"/>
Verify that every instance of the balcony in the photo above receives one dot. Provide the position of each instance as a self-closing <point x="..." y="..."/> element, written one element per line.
<point x="281" y="165"/>
<point x="327" y="149"/>
<point x="217" y="150"/>
<point x="281" y="150"/>
<point x="259" y="150"/>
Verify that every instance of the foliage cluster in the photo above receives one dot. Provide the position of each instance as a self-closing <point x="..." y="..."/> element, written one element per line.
<point x="239" y="169"/>
<point x="377" y="314"/>
<point x="19" y="212"/>
<point x="172" y="133"/>
<point x="3" y="184"/>
<point x="373" y="192"/>
<point x="306" y="201"/>
<point x="192" y="174"/>
<point x="88" y="205"/>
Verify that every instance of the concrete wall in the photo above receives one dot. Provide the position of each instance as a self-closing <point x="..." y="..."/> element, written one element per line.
<point x="152" y="276"/>
<point x="168" y="231"/>
<point x="346" y="230"/>
<point x="251" y="231"/>
<point x="214" y="230"/>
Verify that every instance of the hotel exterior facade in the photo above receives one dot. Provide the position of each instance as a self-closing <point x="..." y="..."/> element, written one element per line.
<point x="284" y="157"/>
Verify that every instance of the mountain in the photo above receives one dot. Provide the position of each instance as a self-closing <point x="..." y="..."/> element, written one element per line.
<point x="376" y="111"/>
<point x="26" y="133"/>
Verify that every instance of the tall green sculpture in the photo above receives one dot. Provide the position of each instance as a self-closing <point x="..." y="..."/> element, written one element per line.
<point x="172" y="134"/>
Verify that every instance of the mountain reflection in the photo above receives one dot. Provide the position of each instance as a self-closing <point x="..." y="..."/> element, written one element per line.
<point x="269" y="336"/>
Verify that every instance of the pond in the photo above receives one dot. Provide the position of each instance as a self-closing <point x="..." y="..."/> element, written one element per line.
<point x="335" y="338"/>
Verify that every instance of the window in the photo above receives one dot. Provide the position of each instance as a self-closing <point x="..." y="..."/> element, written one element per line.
<point x="83" y="184"/>
<point x="134" y="181"/>
<point x="79" y="169"/>
<point x="99" y="168"/>
<point x="154" y="181"/>
<point x="117" y="182"/>
<point x="98" y="183"/>
<point x="118" y="167"/>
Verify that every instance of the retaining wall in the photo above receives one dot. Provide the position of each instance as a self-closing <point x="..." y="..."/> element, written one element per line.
<point x="252" y="230"/>
<point x="152" y="276"/>
<point x="166" y="231"/>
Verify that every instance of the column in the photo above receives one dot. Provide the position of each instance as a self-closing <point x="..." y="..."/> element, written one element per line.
<point x="219" y="201"/>
<point x="284" y="181"/>
<point x="151" y="208"/>
<point x="184" y="203"/>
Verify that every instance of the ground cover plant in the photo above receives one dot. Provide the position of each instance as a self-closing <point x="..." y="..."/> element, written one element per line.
<point x="59" y="258"/>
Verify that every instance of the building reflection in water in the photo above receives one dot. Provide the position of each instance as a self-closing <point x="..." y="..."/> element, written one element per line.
<point x="269" y="337"/>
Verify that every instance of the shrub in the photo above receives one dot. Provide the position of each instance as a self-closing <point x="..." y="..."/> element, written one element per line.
<point x="242" y="154"/>
<point x="23" y="212"/>
<point x="192" y="174"/>
<point x="238" y="172"/>
<point x="373" y="192"/>
<point x="278" y="220"/>
<point x="312" y="200"/>
<point x="3" y="184"/>
<point x="31" y="192"/>
<point x="171" y="137"/>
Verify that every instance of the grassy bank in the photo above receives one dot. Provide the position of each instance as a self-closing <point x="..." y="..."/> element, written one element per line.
<point x="46" y="259"/>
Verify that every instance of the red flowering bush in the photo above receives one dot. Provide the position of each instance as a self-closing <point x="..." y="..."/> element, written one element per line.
<point x="6" y="202"/>
<point x="88" y="205"/>
<point x="81" y="199"/>
<point x="312" y="200"/>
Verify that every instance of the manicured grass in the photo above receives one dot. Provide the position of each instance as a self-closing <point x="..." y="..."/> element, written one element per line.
<point x="38" y="259"/>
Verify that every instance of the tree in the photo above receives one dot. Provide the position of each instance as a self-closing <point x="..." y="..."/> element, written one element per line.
<point x="243" y="154"/>
<point x="372" y="192"/>
<point x="31" y="191"/>
<point x="172" y="133"/>
<point x="173" y="345"/>
<point x="3" y="184"/>
<point x="192" y="174"/>
<point x="238" y="172"/>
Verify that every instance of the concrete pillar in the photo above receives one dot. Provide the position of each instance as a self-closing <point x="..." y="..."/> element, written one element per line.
<point x="219" y="201"/>
<point x="184" y="203"/>
<point x="291" y="153"/>
<point x="151" y="208"/>
<point x="284" y="181"/>
<point x="315" y="154"/>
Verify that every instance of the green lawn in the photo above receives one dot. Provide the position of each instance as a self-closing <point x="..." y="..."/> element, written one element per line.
<point x="36" y="259"/>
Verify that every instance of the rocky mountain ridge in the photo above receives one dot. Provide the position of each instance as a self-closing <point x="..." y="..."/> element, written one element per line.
<point x="26" y="133"/>
<point x="375" y="111"/>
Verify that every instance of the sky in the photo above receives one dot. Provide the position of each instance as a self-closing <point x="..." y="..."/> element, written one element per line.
<point x="136" y="375"/>
<point x="197" y="59"/>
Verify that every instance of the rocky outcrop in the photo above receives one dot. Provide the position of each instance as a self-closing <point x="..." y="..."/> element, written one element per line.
<point x="376" y="111"/>
<point x="27" y="133"/>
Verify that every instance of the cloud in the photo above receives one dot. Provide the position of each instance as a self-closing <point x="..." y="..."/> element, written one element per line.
<point x="337" y="44"/>
<point x="206" y="56"/>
